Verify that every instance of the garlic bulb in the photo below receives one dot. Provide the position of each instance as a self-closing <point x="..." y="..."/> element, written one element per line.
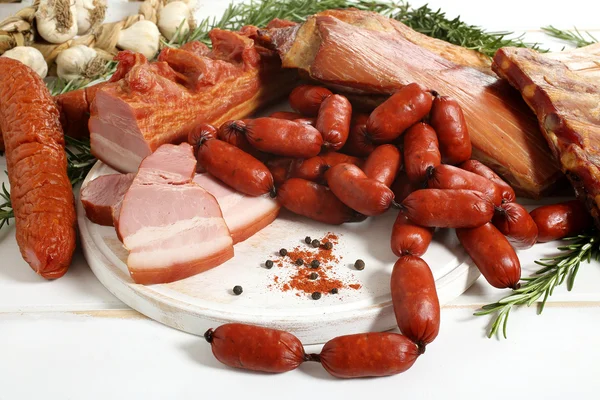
<point x="172" y="16"/>
<point x="71" y="64"/>
<point x="90" y="13"/>
<point x="190" y="3"/>
<point x="142" y="37"/>
<point x="56" y="20"/>
<point x="29" y="56"/>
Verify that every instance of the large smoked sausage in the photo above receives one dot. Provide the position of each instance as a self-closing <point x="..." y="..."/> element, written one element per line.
<point x="368" y="354"/>
<point x="383" y="164"/>
<point x="448" y="208"/>
<point x="395" y="115"/>
<point x="449" y="123"/>
<point x="409" y="238"/>
<point x="255" y="348"/>
<point x="561" y="220"/>
<point x="350" y="184"/>
<point x="415" y="300"/>
<point x="315" y="201"/>
<point x="448" y="177"/>
<point x="516" y="224"/>
<point x="41" y="193"/>
<point x="421" y="152"/>
<point x="333" y="121"/>
<point x="235" y="168"/>
<point x="307" y="99"/>
<point x="474" y="166"/>
<point x="282" y="137"/>
<point x="492" y="254"/>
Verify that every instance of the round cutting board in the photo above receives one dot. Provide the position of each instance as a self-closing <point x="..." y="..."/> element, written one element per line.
<point x="206" y="300"/>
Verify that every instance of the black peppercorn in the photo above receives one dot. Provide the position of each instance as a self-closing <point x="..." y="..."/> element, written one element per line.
<point x="328" y="246"/>
<point x="316" y="295"/>
<point x="283" y="252"/>
<point x="237" y="290"/>
<point x="315" y="264"/>
<point x="334" y="291"/>
<point x="313" y="276"/>
<point x="359" y="265"/>
<point x="269" y="264"/>
<point x="315" y="243"/>
<point x="307" y="240"/>
<point x="299" y="261"/>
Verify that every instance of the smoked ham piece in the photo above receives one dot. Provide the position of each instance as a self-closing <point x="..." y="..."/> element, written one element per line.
<point x="244" y="215"/>
<point x="155" y="103"/>
<point x="369" y="56"/>
<point x="563" y="89"/>
<point x="102" y="197"/>
<point x="172" y="227"/>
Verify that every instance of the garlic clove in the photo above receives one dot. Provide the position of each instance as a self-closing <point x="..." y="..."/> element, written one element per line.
<point x="29" y="56"/>
<point x="172" y="16"/>
<point x="141" y="37"/>
<point x="90" y="13"/>
<point x="56" y="20"/>
<point x="190" y="3"/>
<point x="72" y="62"/>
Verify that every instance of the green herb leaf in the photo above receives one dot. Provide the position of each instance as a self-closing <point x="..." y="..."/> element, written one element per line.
<point x="543" y="282"/>
<point x="575" y="38"/>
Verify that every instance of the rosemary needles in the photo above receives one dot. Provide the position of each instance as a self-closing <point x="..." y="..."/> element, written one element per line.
<point x="6" y="211"/>
<point x="575" y="37"/>
<point x="556" y="270"/>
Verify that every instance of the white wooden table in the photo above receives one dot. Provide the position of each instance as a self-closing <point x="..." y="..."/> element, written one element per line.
<point x="71" y="339"/>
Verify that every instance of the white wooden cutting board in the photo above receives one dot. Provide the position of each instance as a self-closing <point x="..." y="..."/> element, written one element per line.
<point x="206" y="300"/>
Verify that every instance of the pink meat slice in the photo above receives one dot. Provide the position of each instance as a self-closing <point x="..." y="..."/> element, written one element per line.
<point x="172" y="227"/>
<point x="102" y="197"/>
<point x="244" y="215"/>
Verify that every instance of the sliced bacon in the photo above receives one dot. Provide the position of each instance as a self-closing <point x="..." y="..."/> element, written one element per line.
<point x="171" y="226"/>
<point x="102" y="197"/>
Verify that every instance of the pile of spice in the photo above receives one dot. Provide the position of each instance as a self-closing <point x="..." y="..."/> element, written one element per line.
<point x="314" y="265"/>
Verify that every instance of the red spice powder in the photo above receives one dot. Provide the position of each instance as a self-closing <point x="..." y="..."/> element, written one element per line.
<point x="300" y="281"/>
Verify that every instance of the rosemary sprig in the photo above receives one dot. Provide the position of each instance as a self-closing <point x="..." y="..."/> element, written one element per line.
<point x="576" y="38"/>
<point x="556" y="270"/>
<point x="79" y="159"/>
<point x="6" y="211"/>
<point x="60" y="86"/>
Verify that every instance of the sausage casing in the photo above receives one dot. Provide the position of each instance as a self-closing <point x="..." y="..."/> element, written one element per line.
<point x="41" y="193"/>
<point x="333" y="121"/>
<point x="492" y="254"/>
<point x="561" y="220"/>
<point x="307" y="99"/>
<point x="255" y="348"/>
<point x="315" y="201"/>
<point x="421" y="152"/>
<point x="235" y="168"/>
<point x="234" y="133"/>
<point x="516" y="224"/>
<point x="368" y="354"/>
<point x="449" y="123"/>
<point x="359" y="143"/>
<point x="383" y="164"/>
<point x="403" y="109"/>
<point x="311" y="169"/>
<point x="448" y="177"/>
<point x="285" y="115"/>
<point x="415" y="300"/>
<point x="282" y="137"/>
<point x="350" y="184"/>
<point x="474" y="166"/>
<point x="409" y="238"/>
<point x="402" y="187"/>
<point x="448" y="208"/>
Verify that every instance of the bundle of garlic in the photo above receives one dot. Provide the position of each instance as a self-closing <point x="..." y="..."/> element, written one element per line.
<point x="175" y="18"/>
<point x="90" y="14"/>
<point x="30" y="57"/>
<point x="56" y="20"/>
<point x="18" y="30"/>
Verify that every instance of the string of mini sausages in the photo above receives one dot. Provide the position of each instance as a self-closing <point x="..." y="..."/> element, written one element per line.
<point x="431" y="192"/>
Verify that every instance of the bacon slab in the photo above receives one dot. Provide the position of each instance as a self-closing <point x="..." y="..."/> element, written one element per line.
<point x="563" y="89"/>
<point x="171" y="226"/>
<point x="102" y="197"/>
<point x="157" y="103"/>
<point x="363" y="53"/>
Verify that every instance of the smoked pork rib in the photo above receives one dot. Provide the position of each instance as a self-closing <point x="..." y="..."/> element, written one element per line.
<point x="563" y="89"/>
<point x="156" y="103"/>
<point x="365" y="53"/>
